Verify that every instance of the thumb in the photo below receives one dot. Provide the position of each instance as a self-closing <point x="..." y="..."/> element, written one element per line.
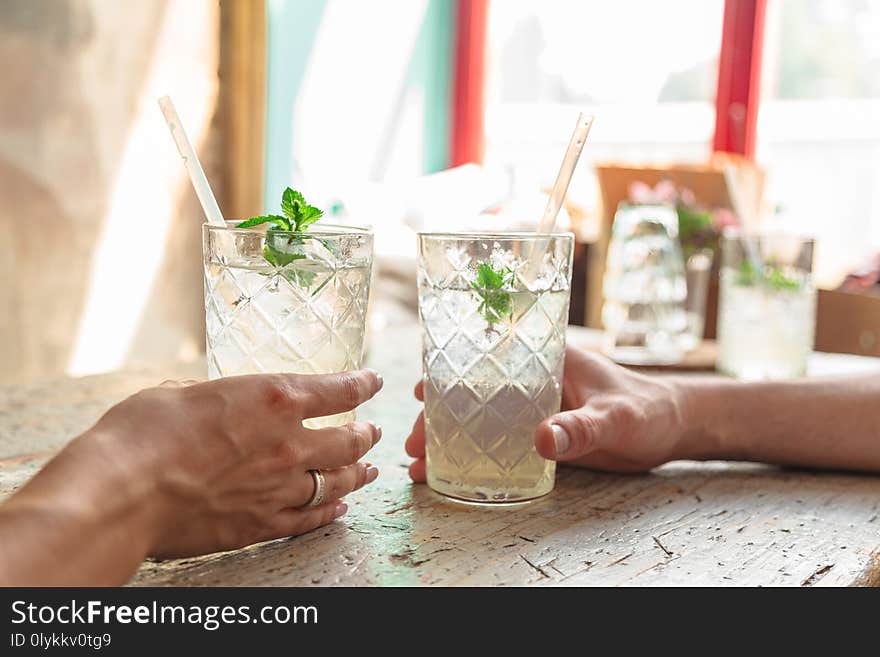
<point x="571" y="435"/>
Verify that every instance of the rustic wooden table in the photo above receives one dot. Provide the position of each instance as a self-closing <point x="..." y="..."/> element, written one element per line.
<point x="683" y="524"/>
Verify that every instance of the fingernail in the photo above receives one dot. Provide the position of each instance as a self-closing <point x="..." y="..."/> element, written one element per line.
<point x="561" y="439"/>
<point x="340" y="510"/>
<point x="377" y="433"/>
<point x="372" y="473"/>
<point x="379" y="378"/>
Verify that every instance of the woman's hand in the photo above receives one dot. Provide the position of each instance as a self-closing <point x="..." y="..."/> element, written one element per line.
<point x="187" y="469"/>
<point x="232" y="466"/>
<point x="612" y="419"/>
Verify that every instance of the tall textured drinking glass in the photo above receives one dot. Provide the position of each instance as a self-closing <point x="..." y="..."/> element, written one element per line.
<point x="304" y="314"/>
<point x="493" y="341"/>
<point x="644" y="287"/>
<point x="767" y="309"/>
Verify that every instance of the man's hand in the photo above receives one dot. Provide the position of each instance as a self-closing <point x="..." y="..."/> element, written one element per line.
<point x="618" y="420"/>
<point x="612" y="419"/>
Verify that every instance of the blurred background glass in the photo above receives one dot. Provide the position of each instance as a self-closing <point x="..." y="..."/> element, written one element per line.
<point x="768" y="306"/>
<point x="645" y="288"/>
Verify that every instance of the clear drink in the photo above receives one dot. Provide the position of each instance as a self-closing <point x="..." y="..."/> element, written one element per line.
<point x="492" y="361"/>
<point x="767" y="314"/>
<point x="306" y="316"/>
<point x="645" y="288"/>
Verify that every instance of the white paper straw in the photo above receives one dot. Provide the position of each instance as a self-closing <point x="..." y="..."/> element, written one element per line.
<point x="557" y="196"/>
<point x="734" y="190"/>
<point x="191" y="160"/>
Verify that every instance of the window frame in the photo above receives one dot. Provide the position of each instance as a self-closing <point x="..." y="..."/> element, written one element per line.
<point x="736" y="101"/>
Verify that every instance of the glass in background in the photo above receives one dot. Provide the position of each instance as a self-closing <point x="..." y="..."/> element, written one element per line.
<point x="767" y="313"/>
<point x="644" y="287"/>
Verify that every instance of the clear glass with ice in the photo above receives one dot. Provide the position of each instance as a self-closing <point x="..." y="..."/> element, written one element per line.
<point x="492" y="359"/>
<point x="645" y="288"/>
<point x="767" y="309"/>
<point x="305" y="316"/>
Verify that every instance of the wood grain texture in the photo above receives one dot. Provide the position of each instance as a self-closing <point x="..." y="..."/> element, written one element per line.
<point x="683" y="524"/>
<point x="243" y="104"/>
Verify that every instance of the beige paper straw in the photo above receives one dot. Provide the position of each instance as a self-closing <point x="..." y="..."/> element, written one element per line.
<point x="557" y="196"/>
<point x="193" y="166"/>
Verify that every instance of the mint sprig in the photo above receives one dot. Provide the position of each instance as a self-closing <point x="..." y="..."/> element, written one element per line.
<point x="295" y="208"/>
<point x="281" y="250"/>
<point x="281" y="223"/>
<point x="298" y="215"/>
<point x="496" y="303"/>
<point x="772" y="277"/>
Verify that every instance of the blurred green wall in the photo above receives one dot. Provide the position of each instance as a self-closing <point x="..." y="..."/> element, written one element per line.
<point x="292" y="26"/>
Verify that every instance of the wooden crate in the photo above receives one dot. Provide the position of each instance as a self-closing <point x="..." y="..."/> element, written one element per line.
<point x="848" y="323"/>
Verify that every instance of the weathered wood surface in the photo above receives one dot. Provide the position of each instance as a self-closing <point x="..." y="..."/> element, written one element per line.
<point x="683" y="524"/>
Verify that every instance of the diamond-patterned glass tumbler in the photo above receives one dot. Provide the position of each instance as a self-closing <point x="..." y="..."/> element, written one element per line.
<point x="286" y="302"/>
<point x="493" y="342"/>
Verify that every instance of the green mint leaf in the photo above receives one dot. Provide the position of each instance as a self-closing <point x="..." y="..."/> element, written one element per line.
<point x="279" y="221"/>
<point x="778" y="280"/>
<point x="309" y="214"/>
<point x="496" y="304"/>
<point x="746" y="274"/>
<point x="280" y="250"/>
<point x="279" y="258"/>
<point x="692" y="222"/>
<point x="291" y="203"/>
<point x="488" y="278"/>
<point x="770" y="276"/>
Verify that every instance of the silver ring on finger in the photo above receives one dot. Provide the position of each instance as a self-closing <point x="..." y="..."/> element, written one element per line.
<point x="320" y="488"/>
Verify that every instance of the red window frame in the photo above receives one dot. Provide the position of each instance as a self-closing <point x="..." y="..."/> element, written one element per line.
<point x="469" y="77"/>
<point x="739" y="77"/>
<point x="736" y="101"/>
